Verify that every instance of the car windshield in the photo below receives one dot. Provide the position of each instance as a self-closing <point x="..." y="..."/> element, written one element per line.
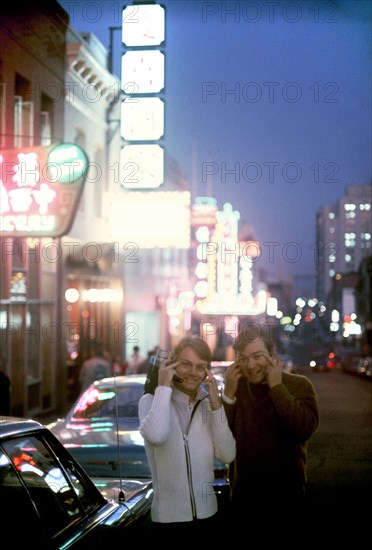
<point x="102" y="402"/>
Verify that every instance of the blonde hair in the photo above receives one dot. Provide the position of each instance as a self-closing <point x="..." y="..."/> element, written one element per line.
<point x="197" y="344"/>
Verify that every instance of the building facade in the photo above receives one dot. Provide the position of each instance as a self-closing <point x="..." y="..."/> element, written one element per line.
<point x="32" y="73"/>
<point x="344" y="246"/>
<point x="343" y="236"/>
<point x="92" y="274"/>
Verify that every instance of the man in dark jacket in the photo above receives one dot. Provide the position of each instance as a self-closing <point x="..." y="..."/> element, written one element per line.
<point x="272" y="415"/>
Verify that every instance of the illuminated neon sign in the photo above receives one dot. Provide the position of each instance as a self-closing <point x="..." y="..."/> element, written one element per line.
<point x="227" y="287"/>
<point x="40" y="188"/>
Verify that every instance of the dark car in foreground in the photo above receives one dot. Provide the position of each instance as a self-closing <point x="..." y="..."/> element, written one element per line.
<point x="101" y="430"/>
<point x="49" y="502"/>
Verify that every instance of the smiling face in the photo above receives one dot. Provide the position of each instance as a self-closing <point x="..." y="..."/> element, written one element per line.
<point x="192" y="369"/>
<point x="253" y="361"/>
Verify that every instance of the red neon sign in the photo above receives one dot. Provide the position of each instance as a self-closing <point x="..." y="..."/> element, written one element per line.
<point x="40" y="188"/>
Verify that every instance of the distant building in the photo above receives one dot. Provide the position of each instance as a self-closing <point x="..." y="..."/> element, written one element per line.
<point x="343" y="237"/>
<point x="364" y="299"/>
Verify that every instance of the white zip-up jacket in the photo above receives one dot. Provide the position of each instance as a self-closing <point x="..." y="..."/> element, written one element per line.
<point x="182" y="465"/>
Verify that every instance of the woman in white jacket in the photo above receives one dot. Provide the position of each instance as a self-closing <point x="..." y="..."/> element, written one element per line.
<point x="185" y="429"/>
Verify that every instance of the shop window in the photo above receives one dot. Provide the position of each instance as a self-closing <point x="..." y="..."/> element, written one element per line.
<point x="18" y="286"/>
<point x="46" y="120"/>
<point x="23" y="113"/>
<point x="23" y="122"/>
<point x="45" y="129"/>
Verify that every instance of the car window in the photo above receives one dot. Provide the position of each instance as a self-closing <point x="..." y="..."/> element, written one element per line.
<point x="101" y="402"/>
<point x="16" y="504"/>
<point x="59" y="500"/>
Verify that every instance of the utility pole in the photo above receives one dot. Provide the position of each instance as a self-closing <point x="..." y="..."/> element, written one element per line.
<point x="111" y="47"/>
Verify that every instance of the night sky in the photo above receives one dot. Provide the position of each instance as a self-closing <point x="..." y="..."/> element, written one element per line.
<point x="267" y="106"/>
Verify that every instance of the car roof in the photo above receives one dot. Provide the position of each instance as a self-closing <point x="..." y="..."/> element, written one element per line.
<point x="123" y="380"/>
<point x="13" y="425"/>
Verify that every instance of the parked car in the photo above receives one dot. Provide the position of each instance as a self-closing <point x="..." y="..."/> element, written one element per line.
<point x="364" y="367"/>
<point x="323" y="361"/>
<point x="48" y="500"/>
<point x="350" y="358"/>
<point x="101" y="430"/>
<point x="367" y="365"/>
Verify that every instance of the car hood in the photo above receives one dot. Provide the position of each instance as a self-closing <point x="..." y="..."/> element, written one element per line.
<point x="130" y="500"/>
<point x="102" y="450"/>
<point x="111" y="488"/>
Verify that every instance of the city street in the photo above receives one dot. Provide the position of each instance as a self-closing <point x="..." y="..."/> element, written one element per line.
<point x="340" y="452"/>
<point x="172" y="169"/>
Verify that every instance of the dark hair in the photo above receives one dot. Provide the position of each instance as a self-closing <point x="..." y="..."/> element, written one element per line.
<point x="197" y="344"/>
<point x="249" y="335"/>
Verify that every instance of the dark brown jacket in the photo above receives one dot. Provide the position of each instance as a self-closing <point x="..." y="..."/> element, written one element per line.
<point x="271" y="428"/>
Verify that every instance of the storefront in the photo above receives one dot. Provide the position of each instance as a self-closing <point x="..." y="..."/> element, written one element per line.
<point x="92" y="311"/>
<point x="40" y="189"/>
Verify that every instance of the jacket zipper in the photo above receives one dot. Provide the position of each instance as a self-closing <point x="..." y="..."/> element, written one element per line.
<point x="188" y="461"/>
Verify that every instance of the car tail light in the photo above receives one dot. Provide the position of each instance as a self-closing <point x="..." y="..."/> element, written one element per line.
<point x="331" y="361"/>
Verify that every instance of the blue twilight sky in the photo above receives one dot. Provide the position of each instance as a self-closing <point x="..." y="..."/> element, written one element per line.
<point x="274" y="97"/>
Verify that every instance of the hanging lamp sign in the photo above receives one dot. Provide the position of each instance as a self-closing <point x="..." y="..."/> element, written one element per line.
<point x="40" y="189"/>
<point x="142" y="80"/>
